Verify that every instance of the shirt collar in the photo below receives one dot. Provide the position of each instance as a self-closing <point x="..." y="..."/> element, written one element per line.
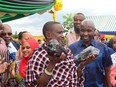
<point x="93" y="43"/>
<point x="44" y="45"/>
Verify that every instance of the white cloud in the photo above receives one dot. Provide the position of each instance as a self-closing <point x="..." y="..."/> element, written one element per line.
<point x="34" y="23"/>
<point x="100" y="7"/>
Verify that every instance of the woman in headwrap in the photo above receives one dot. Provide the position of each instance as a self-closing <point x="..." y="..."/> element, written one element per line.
<point x="18" y="69"/>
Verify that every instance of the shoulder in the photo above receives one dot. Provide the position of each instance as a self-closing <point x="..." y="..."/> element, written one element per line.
<point x="100" y="45"/>
<point x="16" y="44"/>
<point x="38" y="53"/>
<point x="71" y="33"/>
<point x="75" y="44"/>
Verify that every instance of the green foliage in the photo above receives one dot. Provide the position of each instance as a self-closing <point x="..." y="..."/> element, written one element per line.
<point x="68" y="23"/>
<point x="15" y="36"/>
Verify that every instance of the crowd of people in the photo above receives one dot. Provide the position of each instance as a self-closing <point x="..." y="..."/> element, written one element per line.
<point x="26" y="63"/>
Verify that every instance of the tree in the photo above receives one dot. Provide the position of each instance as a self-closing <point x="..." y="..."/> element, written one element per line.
<point x="15" y="36"/>
<point x="68" y="23"/>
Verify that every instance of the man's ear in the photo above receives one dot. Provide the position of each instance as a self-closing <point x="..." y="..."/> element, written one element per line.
<point x="48" y="35"/>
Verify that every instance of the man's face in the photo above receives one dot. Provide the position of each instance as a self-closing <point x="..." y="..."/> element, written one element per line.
<point x="87" y="33"/>
<point x="7" y="34"/>
<point x="77" y="22"/>
<point x="96" y="35"/>
<point x="57" y="32"/>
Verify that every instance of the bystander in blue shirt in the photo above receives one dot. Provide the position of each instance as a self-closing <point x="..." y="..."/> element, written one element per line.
<point x="94" y="72"/>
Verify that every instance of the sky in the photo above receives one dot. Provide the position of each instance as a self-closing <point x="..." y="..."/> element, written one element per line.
<point x="34" y="23"/>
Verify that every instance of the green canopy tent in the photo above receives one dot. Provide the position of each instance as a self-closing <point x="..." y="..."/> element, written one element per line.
<point x="14" y="9"/>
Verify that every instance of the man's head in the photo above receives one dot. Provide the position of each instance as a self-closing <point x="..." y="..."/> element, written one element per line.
<point x="78" y="18"/>
<point x="87" y="31"/>
<point x="7" y="33"/>
<point x="97" y="35"/>
<point x="53" y="30"/>
<point x="39" y="41"/>
<point x="23" y="36"/>
<point x="1" y="27"/>
<point x="114" y="42"/>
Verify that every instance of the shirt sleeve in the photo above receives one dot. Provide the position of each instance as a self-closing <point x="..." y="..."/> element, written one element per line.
<point x="107" y="58"/>
<point x="75" y="80"/>
<point x="35" y="68"/>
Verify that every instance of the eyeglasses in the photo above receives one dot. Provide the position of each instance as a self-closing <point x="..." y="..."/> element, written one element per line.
<point x="27" y="47"/>
<point x="4" y="34"/>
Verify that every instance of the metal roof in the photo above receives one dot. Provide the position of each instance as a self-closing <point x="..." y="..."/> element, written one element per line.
<point x="105" y="24"/>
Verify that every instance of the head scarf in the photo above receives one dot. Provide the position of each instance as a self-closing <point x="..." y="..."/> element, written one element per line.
<point x="24" y="62"/>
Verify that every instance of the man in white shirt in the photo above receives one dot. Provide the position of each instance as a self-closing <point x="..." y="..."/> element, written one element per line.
<point x="12" y="45"/>
<point x="74" y="35"/>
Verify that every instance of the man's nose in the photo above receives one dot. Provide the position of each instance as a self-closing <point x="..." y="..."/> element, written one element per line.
<point x="62" y="35"/>
<point x="85" y="33"/>
<point x="6" y="35"/>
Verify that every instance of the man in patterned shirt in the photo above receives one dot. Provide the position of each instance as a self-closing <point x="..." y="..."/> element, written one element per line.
<point x="51" y="71"/>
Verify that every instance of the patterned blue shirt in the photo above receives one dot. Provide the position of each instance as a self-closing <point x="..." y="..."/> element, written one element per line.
<point x="94" y="71"/>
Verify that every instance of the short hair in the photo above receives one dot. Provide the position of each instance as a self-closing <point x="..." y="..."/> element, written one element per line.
<point x="89" y="22"/>
<point x="47" y="27"/>
<point x="79" y="14"/>
<point x="7" y="26"/>
<point x="20" y="35"/>
<point x="98" y="32"/>
<point x="110" y="43"/>
<point x="39" y="40"/>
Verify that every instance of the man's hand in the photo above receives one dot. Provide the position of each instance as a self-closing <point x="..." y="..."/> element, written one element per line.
<point x="85" y="62"/>
<point x="1" y="59"/>
<point x="44" y="78"/>
<point x="3" y="67"/>
<point x="88" y="60"/>
<point x="53" y="59"/>
<point x="12" y="69"/>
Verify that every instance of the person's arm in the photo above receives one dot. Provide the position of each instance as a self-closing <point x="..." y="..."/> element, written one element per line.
<point x="45" y="77"/>
<point x="12" y="70"/>
<point x="3" y="64"/>
<point x="80" y="70"/>
<point x="107" y="77"/>
<point x="3" y="67"/>
<point x="83" y="63"/>
<point x="47" y="74"/>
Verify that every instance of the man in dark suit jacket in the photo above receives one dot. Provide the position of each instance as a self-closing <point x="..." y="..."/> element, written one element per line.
<point x="12" y="45"/>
